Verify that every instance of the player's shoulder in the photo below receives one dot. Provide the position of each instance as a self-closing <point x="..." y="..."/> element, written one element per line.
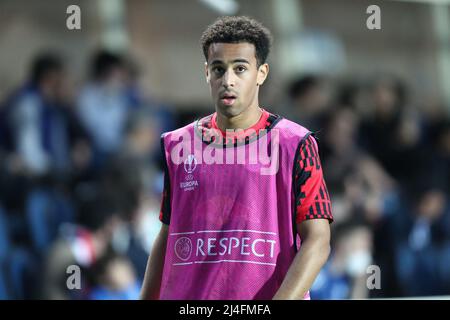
<point x="292" y="129"/>
<point x="180" y="131"/>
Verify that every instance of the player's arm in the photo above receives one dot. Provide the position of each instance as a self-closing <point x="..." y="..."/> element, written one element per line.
<point x="151" y="285"/>
<point x="313" y="217"/>
<point x="309" y="260"/>
<point x="153" y="274"/>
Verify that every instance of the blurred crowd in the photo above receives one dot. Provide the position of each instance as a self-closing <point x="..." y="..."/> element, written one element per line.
<point x="386" y="162"/>
<point x="81" y="180"/>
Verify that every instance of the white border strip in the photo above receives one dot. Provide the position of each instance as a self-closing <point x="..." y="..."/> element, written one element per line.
<point x="255" y="231"/>
<point x="179" y="233"/>
<point x="244" y="261"/>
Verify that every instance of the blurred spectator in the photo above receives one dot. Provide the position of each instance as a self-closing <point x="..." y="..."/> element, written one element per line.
<point x="134" y="169"/>
<point x="378" y="129"/>
<point x="142" y="138"/>
<point x="341" y="153"/>
<point x="422" y="244"/>
<point x="41" y="139"/>
<point x="40" y="129"/>
<point x="392" y="132"/>
<point x="344" y="276"/>
<point x="82" y="244"/>
<point x="310" y="99"/>
<point x="440" y="159"/>
<point x="353" y="94"/>
<point x="104" y="104"/>
<point x="114" y="279"/>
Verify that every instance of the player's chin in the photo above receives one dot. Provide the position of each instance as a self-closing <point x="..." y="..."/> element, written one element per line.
<point x="229" y="111"/>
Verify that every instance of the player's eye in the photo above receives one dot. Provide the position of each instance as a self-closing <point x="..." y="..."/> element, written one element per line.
<point x="240" y="69"/>
<point x="217" y="70"/>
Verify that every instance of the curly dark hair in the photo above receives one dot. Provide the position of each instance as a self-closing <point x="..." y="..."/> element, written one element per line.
<point x="237" y="29"/>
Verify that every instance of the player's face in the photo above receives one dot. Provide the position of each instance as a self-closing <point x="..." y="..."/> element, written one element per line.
<point x="234" y="77"/>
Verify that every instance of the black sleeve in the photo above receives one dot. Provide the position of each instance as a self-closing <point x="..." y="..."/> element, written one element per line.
<point x="312" y="200"/>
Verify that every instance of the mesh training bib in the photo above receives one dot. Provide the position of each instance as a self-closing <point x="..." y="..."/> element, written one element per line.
<point x="232" y="233"/>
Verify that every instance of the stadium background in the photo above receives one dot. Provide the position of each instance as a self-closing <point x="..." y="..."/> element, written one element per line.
<point x="80" y="168"/>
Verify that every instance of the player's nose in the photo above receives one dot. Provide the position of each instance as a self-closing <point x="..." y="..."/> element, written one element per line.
<point x="228" y="79"/>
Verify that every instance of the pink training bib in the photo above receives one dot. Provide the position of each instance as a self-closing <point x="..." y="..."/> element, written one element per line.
<point x="232" y="233"/>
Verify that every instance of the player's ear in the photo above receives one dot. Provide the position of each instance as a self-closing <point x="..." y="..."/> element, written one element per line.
<point x="263" y="71"/>
<point x="206" y="72"/>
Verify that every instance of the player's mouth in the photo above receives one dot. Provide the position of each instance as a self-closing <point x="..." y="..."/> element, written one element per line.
<point x="228" y="99"/>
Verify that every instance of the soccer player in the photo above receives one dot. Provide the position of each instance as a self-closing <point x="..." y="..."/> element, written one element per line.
<point x="245" y="210"/>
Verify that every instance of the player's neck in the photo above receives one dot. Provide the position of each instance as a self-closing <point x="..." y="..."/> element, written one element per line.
<point x="245" y="120"/>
